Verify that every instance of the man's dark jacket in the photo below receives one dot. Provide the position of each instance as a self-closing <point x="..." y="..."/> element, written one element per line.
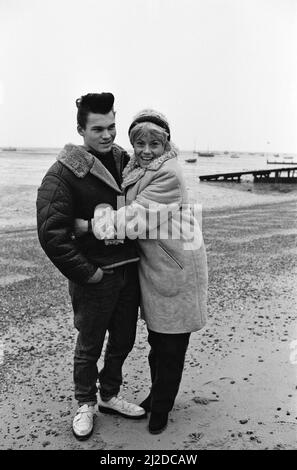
<point x="72" y="188"/>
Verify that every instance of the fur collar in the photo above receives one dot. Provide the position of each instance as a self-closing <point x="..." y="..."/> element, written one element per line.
<point x="133" y="171"/>
<point x="78" y="160"/>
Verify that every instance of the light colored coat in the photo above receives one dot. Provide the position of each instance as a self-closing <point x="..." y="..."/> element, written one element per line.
<point x="172" y="272"/>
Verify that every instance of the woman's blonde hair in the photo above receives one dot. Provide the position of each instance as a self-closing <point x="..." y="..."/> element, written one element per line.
<point x="149" y="128"/>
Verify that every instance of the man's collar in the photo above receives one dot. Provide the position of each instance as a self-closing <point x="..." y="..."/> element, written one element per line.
<point x="81" y="162"/>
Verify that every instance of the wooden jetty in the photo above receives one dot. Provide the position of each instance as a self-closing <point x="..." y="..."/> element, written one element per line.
<point x="260" y="176"/>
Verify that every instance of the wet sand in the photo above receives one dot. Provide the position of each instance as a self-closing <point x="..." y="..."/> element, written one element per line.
<point x="239" y="387"/>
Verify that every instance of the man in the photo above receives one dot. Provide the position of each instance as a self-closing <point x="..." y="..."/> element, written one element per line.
<point x="103" y="280"/>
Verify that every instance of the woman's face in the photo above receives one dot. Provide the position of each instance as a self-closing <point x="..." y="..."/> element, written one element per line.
<point x="147" y="148"/>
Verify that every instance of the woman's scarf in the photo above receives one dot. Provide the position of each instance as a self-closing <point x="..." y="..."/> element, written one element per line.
<point x="133" y="171"/>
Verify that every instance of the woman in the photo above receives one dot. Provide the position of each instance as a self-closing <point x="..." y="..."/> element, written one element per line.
<point x="172" y="266"/>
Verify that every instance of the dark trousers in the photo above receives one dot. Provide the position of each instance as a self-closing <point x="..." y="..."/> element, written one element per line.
<point x="166" y="360"/>
<point x="110" y="305"/>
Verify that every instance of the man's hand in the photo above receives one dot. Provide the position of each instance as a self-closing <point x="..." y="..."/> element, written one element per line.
<point x="96" y="277"/>
<point x="80" y="227"/>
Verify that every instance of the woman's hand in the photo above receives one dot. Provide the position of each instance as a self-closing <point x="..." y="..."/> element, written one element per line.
<point x="80" y="227"/>
<point x="103" y="222"/>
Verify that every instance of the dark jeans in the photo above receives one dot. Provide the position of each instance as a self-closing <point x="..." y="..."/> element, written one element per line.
<point x="166" y="359"/>
<point x="110" y="305"/>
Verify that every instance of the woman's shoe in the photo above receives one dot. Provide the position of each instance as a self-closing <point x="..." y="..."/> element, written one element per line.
<point x="157" y="422"/>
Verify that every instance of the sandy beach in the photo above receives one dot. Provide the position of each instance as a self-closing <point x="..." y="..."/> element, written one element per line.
<point x="239" y="387"/>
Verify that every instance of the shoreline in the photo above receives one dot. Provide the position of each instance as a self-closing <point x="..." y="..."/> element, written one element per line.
<point x="18" y="203"/>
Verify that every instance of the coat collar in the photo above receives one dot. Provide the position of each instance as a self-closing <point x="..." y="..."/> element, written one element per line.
<point x="133" y="172"/>
<point x="78" y="160"/>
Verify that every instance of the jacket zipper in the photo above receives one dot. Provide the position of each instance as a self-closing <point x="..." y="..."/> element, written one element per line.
<point x="170" y="256"/>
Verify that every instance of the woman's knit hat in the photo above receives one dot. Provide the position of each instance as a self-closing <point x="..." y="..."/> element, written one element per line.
<point x="149" y="115"/>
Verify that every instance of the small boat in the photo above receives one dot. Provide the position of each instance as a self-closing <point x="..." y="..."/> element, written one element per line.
<point x="234" y="155"/>
<point x="205" y="154"/>
<point x="191" y="159"/>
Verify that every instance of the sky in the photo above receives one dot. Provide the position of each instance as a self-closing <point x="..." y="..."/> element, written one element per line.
<point x="224" y="72"/>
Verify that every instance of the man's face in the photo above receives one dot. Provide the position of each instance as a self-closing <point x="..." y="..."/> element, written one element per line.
<point x="100" y="131"/>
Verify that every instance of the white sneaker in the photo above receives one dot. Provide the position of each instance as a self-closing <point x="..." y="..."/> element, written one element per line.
<point x="83" y="422"/>
<point x="117" y="405"/>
